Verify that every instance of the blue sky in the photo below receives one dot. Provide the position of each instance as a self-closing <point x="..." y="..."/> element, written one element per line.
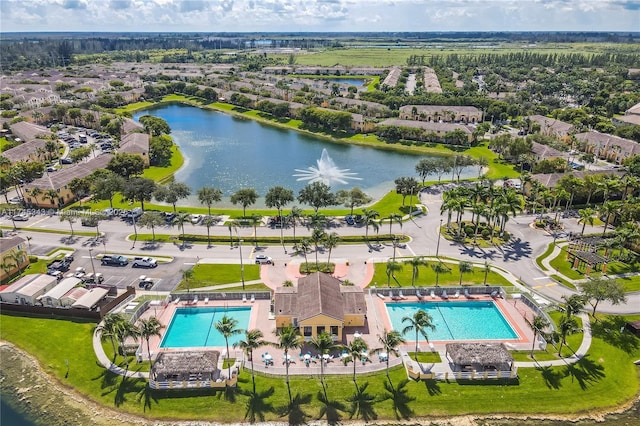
<point x="319" y="15"/>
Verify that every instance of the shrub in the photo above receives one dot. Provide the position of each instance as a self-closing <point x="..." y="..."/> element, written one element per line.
<point x="469" y="230"/>
<point x="506" y="236"/>
<point x="486" y="233"/>
<point x="33" y="259"/>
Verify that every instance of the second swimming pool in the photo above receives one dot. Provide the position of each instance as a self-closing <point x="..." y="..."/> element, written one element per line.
<point x="461" y="320"/>
<point x="195" y="327"/>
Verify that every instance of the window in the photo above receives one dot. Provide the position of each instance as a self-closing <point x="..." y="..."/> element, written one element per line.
<point x="307" y="331"/>
<point x="320" y="329"/>
<point x="334" y="330"/>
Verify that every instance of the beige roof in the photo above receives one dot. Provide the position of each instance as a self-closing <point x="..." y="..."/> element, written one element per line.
<point x="434" y="109"/>
<point x="24" y="150"/>
<point x="28" y="131"/>
<point x="557" y="126"/>
<point x="135" y="143"/>
<point x="17" y="285"/>
<point x="7" y="243"/>
<point x="479" y="353"/>
<point x="605" y="140"/>
<point x="37" y="285"/>
<point x="551" y="179"/>
<point x="130" y="126"/>
<point x="629" y="119"/>
<point x="545" y="151"/>
<point x="57" y="180"/>
<point x="634" y="109"/>
<point x="62" y="288"/>
<point x="91" y="298"/>
<point x="427" y="125"/>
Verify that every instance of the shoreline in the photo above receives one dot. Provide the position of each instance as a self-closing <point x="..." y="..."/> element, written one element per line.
<point x="57" y="404"/>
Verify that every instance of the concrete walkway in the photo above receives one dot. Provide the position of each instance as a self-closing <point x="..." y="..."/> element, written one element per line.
<point x="106" y="362"/>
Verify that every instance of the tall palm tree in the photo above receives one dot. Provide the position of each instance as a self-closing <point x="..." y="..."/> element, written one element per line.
<point x="304" y="246"/>
<point x="392" y="267"/>
<point x="180" y="220"/>
<point x="486" y="268"/>
<point x="573" y="304"/>
<point x="149" y="328"/>
<point x="419" y="322"/>
<point x="355" y="350"/>
<point x="288" y="339"/>
<point x="255" y="219"/>
<point x="109" y="329"/>
<point x="317" y="236"/>
<point x="416" y="263"/>
<point x="538" y="325"/>
<point x="390" y="340"/>
<point x="330" y="242"/>
<point x="394" y="217"/>
<point x="294" y="215"/>
<point x="124" y="330"/>
<point x="233" y="226"/>
<point x="252" y="341"/>
<point x="464" y="267"/>
<point x="209" y="221"/>
<point x="566" y="326"/>
<point x="187" y="275"/>
<point x="323" y="343"/>
<point x="586" y="216"/>
<point x="370" y="217"/>
<point x="607" y="209"/>
<point x="227" y="326"/>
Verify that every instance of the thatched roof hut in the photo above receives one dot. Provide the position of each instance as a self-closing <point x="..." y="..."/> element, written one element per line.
<point x="479" y="356"/>
<point x="186" y="366"/>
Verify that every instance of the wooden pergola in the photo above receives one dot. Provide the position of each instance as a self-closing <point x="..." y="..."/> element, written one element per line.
<point x="588" y="259"/>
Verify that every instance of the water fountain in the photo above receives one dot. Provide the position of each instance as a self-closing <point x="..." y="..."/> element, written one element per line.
<point x="327" y="172"/>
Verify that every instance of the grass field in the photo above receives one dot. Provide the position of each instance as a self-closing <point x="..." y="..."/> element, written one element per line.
<point x="163" y="174"/>
<point x="427" y="276"/>
<point x="605" y="378"/>
<point x="205" y="275"/>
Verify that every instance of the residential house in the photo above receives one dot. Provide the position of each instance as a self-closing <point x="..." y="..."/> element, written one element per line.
<point x="28" y="131"/>
<point x="551" y="126"/>
<point x="545" y="152"/>
<point x="28" y="289"/>
<point x="320" y="303"/>
<point x="14" y="256"/>
<point x="608" y="147"/>
<point x="90" y="299"/>
<point x="441" y="113"/>
<point x="550" y="180"/>
<point x="431" y="82"/>
<point x="437" y="128"/>
<point x="38" y="193"/>
<point x="33" y="150"/>
<point x="391" y="80"/>
<point x="56" y="296"/>
<point x="136" y="143"/>
<point x="631" y="116"/>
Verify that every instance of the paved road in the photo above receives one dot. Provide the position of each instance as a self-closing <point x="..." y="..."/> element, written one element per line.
<point x="518" y="256"/>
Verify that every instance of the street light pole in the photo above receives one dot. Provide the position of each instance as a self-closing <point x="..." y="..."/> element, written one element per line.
<point x="93" y="268"/>
<point x="241" y="263"/>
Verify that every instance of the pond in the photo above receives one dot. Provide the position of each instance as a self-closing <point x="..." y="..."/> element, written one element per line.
<point x="231" y="153"/>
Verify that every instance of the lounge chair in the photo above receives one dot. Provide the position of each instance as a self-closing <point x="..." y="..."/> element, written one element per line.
<point x="195" y="300"/>
<point x="457" y="295"/>
<point x="432" y="294"/>
<point x="391" y="295"/>
<point x="466" y="294"/>
<point x="444" y="295"/>
<point x="494" y="294"/>
<point x="253" y="298"/>
<point x="418" y="295"/>
<point x="380" y="295"/>
<point x="206" y="300"/>
<point x="400" y="295"/>
<point x="244" y="298"/>
<point x="177" y="300"/>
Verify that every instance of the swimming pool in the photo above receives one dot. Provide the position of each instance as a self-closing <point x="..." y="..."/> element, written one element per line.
<point x="195" y="327"/>
<point x="462" y="320"/>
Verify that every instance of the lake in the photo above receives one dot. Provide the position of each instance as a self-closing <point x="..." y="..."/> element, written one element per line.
<point x="231" y="153"/>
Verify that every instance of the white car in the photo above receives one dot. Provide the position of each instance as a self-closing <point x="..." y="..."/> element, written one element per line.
<point x="79" y="272"/>
<point x="196" y="218"/>
<point x="263" y="259"/>
<point x="21" y="217"/>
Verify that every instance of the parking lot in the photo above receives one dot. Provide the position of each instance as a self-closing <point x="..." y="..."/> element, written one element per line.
<point x="165" y="276"/>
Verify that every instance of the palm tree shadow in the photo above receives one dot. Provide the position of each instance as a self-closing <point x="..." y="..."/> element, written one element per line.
<point x="146" y="395"/>
<point x="362" y="404"/>
<point x="400" y="399"/>
<point x="229" y="394"/>
<point x="551" y="377"/>
<point x="432" y="387"/>
<point x="293" y="410"/>
<point x="107" y="377"/>
<point x="330" y="408"/>
<point x="585" y="372"/>
<point x="611" y="330"/>
<point x="127" y="386"/>
<point x="257" y="406"/>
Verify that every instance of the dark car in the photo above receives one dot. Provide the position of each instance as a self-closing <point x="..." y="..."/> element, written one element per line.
<point x="66" y="161"/>
<point x="350" y="220"/>
<point x="114" y="260"/>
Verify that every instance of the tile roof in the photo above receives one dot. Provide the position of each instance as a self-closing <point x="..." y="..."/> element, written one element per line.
<point x="57" y="180"/>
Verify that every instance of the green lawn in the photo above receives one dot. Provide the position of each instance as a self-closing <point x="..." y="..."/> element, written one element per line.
<point x="162" y="174"/>
<point x="205" y="275"/>
<point x="562" y="265"/>
<point x="427" y="276"/>
<point x="544" y="255"/>
<point x="603" y="379"/>
<point x="136" y="106"/>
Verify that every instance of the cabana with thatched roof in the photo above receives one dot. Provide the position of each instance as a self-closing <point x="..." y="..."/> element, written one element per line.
<point x="186" y="370"/>
<point x="479" y="357"/>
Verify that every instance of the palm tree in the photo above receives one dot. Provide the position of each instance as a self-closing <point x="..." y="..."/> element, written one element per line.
<point x="573" y="304"/>
<point x="227" y="326"/>
<point x="607" y="209"/>
<point x="208" y="195"/>
<point x="109" y="329"/>
<point x="486" y="268"/>
<point x="586" y="216"/>
<point x="566" y="326"/>
<point x="124" y="330"/>
<point x="255" y="219"/>
<point x="304" y="246"/>
<point x="355" y="350"/>
<point x="151" y="220"/>
<point x="330" y="242"/>
<point x="323" y="343"/>
<point x="252" y="341"/>
<point x="294" y="215"/>
<point x="538" y="325"/>
<point x="18" y="257"/>
<point x="209" y="221"/>
<point x="180" y="220"/>
<point x="69" y="217"/>
<point x="390" y="340"/>
<point x="370" y="219"/>
<point x="187" y="275"/>
<point x="394" y="217"/>
<point x="289" y="339"/>
<point x="419" y="322"/>
<point x="51" y="195"/>
<point x="464" y="267"/>
<point x="148" y="328"/>
<point x="317" y="236"/>
<point x="392" y="267"/>
<point x="233" y="226"/>
<point x="416" y="263"/>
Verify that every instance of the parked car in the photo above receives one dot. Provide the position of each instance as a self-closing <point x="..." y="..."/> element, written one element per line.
<point x="144" y="262"/>
<point x="196" y="218"/>
<point x="114" y="260"/>
<point x="66" y="161"/>
<point x="350" y="220"/>
<point x="79" y="272"/>
<point x="263" y="259"/>
<point x="16" y="200"/>
<point x="145" y="282"/>
<point x="169" y="216"/>
<point x="21" y="217"/>
<point x="55" y="273"/>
